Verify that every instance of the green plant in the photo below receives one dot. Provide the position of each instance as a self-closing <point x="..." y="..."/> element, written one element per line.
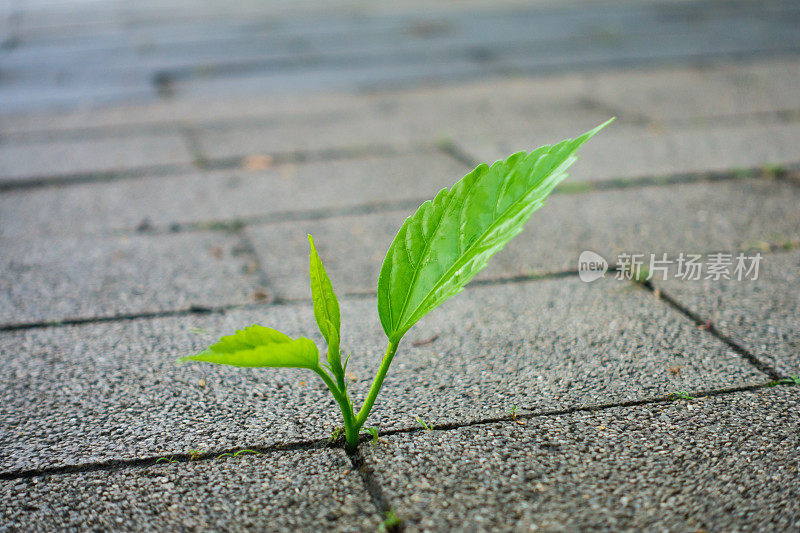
<point x="376" y="436"/>
<point x="437" y="251"/>
<point x="682" y="395"/>
<point x="391" y="523"/>
<point x="237" y="454"/>
<point x="424" y="424"/>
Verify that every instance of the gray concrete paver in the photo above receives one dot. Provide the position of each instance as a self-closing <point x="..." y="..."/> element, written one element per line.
<point x="80" y="394"/>
<point x="20" y="161"/>
<point x="200" y="197"/>
<point x="626" y="150"/>
<point x="696" y="218"/>
<point x="723" y="463"/>
<point x="760" y="315"/>
<point x="697" y="93"/>
<point x="405" y="122"/>
<point x="113" y="390"/>
<point x="57" y="278"/>
<point x="308" y="490"/>
<point x="550" y="344"/>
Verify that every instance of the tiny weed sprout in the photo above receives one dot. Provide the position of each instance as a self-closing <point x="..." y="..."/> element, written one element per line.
<point x="437" y="251"/>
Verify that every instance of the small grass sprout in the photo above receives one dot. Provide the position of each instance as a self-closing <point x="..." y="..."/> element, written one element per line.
<point x="424" y="424"/>
<point x="436" y="252"/>
<point x="391" y="523"/>
<point x="513" y="413"/>
<point x="375" y="435"/>
<point x="237" y="454"/>
<point x="682" y="395"/>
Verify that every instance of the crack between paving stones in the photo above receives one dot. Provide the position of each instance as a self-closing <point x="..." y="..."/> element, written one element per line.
<point x="373" y="486"/>
<point x="193" y="145"/>
<point x="114" y="465"/>
<point x="455" y="152"/>
<point x="225" y="163"/>
<point x="274" y="301"/>
<point x="183" y="457"/>
<point x="698" y="320"/>
<point x="123" y="131"/>
<point x="247" y="249"/>
<point x="278" y="301"/>
<point x="411" y="204"/>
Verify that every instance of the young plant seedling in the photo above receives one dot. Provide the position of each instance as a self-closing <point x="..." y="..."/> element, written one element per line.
<point x="437" y="251"/>
<point x="424" y="425"/>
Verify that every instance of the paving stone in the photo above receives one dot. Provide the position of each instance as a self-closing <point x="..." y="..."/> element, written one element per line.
<point x="624" y="150"/>
<point x="284" y="491"/>
<point x="719" y="90"/>
<point x="51" y="279"/>
<point x="530" y="95"/>
<point x="760" y="315"/>
<point x="86" y="393"/>
<point x="68" y="157"/>
<point x="709" y="464"/>
<point x="78" y="394"/>
<point x="200" y="197"/>
<point x="550" y="344"/>
<point x="408" y="121"/>
<point x="694" y="218"/>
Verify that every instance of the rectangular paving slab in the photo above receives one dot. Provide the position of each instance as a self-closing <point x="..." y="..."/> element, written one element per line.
<point x="726" y="89"/>
<point x="307" y="490"/>
<point x="53" y="159"/>
<point x="628" y="150"/>
<point x="725" y="463"/>
<point x="278" y="191"/>
<point x="760" y="314"/>
<point x="549" y="344"/>
<point x="729" y="215"/>
<point x="58" y="278"/>
<point x="408" y="121"/>
<point x="77" y="394"/>
<point x="80" y="394"/>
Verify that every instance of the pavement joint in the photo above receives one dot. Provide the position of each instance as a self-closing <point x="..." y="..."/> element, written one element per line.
<point x="591" y="103"/>
<point x="449" y="148"/>
<point x="145" y="462"/>
<point x="357" y="459"/>
<point x="189" y="135"/>
<point x="411" y="204"/>
<point x="122" y="131"/>
<point x="226" y="163"/>
<point x="273" y="300"/>
<point x="256" y="266"/>
<point x="37" y="182"/>
<point x="374" y="488"/>
<point x="270" y="301"/>
<point x="708" y="326"/>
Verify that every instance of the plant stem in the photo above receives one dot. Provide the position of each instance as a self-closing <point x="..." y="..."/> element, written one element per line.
<point x="376" y="385"/>
<point x="350" y="428"/>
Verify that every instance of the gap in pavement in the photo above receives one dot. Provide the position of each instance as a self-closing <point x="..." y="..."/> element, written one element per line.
<point x="185" y="457"/>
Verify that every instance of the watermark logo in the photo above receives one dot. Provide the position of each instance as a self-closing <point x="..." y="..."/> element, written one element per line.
<point x="685" y="266"/>
<point x="591" y="266"/>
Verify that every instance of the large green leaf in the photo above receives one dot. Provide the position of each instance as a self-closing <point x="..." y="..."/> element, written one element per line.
<point x="451" y="238"/>
<point x="260" y="346"/>
<point x="326" y="305"/>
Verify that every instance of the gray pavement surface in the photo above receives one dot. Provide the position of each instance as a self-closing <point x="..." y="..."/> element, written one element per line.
<point x="304" y="490"/>
<point x="545" y="345"/>
<point x="162" y="162"/>
<point x="722" y="463"/>
<point x="760" y="314"/>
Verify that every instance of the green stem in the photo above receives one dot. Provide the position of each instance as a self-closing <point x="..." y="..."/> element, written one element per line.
<point x="376" y="385"/>
<point x="350" y="428"/>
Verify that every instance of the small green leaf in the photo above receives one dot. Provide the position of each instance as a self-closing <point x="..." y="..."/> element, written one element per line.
<point x="257" y="346"/>
<point x="326" y="305"/>
<point x="451" y="238"/>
